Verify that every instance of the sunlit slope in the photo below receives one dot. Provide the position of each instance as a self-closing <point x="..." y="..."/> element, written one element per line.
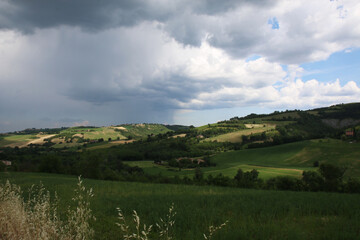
<point x="23" y="140"/>
<point x="282" y="160"/>
<point x="299" y="155"/>
<point x="114" y="132"/>
<point x="77" y="136"/>
<point x="236" y="136"/>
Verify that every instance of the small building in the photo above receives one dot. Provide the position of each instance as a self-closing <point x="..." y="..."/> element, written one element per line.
<point x="349" y="133"/>
<point x="197" y="160"/>
<point x="7" y="163"/>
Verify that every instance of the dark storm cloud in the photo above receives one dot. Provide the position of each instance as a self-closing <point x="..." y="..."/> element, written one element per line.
<point x="93" y="15"/>
<point x="107" y="61"/>
<point x="217" y="7"/>
<point x="88" y="14"/>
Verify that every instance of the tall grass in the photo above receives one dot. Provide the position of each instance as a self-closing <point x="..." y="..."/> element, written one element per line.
<point x="252" y="214"/>
<point x="37" y="217"/>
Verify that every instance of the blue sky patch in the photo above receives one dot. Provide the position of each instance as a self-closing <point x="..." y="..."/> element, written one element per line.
<point x="252" y="58"/>
<point x="274" y="23"/>
<point x="344" y="65"/>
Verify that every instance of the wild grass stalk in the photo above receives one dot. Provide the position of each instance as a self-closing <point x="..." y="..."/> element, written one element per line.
<point x="37" y="217"/>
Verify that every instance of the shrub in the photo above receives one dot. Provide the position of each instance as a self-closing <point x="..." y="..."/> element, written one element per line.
<point x="312" y="181"/>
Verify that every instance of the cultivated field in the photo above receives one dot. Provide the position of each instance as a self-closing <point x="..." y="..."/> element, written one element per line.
<point x="235" y="137"/>
<point x="251" y="214"/>
<point x="17" y="140"/>
<point x="287" y="159"/>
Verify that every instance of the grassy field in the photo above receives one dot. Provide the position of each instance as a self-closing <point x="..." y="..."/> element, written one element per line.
<point x="104" y="133"/>
<point x="295" y="156"/>
<point x="121" y="132"/>
<point x="227" y="169"/>
<point x="94" y="133"/>
<point x="235" y="137"/>
<point x="138" y="131"/>
<point x="288" y="159"/>
<point x="16" y="140"/>
<point x="252" y="214"/>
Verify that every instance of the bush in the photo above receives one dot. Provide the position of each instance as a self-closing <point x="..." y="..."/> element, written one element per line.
<point x="2" y="166"/>
<point x="284" y="183"/>
<point x="352" y="186"/>
<point x="312" y="181"/>
<point x="332" y="176"/>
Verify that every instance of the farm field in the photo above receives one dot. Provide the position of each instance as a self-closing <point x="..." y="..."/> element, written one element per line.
<point x="252" y="214"/>
<point x="17" y="140"/>
<point x="69" y="138"/>
<point x="118" y="133"/>
<point x="235" y="137"/>
<point x="287" y="159"/>
<point x="92" y="133"/>
<point x="225" y="169"/>
<point x="299" y="155"/>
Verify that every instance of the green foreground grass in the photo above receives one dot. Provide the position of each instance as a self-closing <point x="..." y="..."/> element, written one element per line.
<point x="252" y="214"/>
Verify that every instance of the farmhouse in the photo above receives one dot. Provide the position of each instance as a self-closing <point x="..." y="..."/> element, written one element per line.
<point x="349" y="133"/>
<point x="7" y="163"/>
<point x="198" y="160"/>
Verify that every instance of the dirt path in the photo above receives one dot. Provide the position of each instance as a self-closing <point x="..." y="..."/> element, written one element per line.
<point x="39" y="140"/>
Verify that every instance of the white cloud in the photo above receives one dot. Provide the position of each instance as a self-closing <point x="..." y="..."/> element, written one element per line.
<point x="166" y="59"/>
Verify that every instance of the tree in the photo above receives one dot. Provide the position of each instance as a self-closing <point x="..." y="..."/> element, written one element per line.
<point x="51" y="164"/>
<point x="332" y="176"/>
<point x="247" y="179"/>
<point x="352" y="186"/>
<point x="239" y="176"/>
<point x="312" y="181"/>
<point x="331" y="172"/>
<point x="198" y="177"/>
<point x="244" y="138"/>
<point x="2" y="166"/>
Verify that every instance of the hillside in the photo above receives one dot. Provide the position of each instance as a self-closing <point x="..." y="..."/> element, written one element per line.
<point x="278" y="127"/>
<point x="282" y="160"/>
<point x="277" y="144"/>
<point x="78" y="136"/>
<point x="286" y="126"/>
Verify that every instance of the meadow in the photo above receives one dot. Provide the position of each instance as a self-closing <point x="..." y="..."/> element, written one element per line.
<point x="16" y="140"/>
<point x="282" y="160"/>
<point x="251" y="214"/>
<point x="235" y="137"/>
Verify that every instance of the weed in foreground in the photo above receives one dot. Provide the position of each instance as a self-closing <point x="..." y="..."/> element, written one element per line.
<point x="213" y="229"/>
<point x="165" y="227"/>
<point x="37" y="217"/>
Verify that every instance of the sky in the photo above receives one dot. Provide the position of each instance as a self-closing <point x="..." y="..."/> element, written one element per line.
<point x="90" y="62"/>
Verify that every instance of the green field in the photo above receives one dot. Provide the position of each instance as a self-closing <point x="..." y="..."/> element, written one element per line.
<point x="235" y="137"/>
<point x="138" y="131"/>
<point x="120" y="132"/>
<point x="227" y="169"/>
<point x="287" y="159"/>
<point x="93" y="133"/>
<point x="252" y="214"/>
<point x="16" y="140"/>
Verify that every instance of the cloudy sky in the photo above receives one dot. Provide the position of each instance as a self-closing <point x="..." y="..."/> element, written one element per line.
<point x="92" y="62"/>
